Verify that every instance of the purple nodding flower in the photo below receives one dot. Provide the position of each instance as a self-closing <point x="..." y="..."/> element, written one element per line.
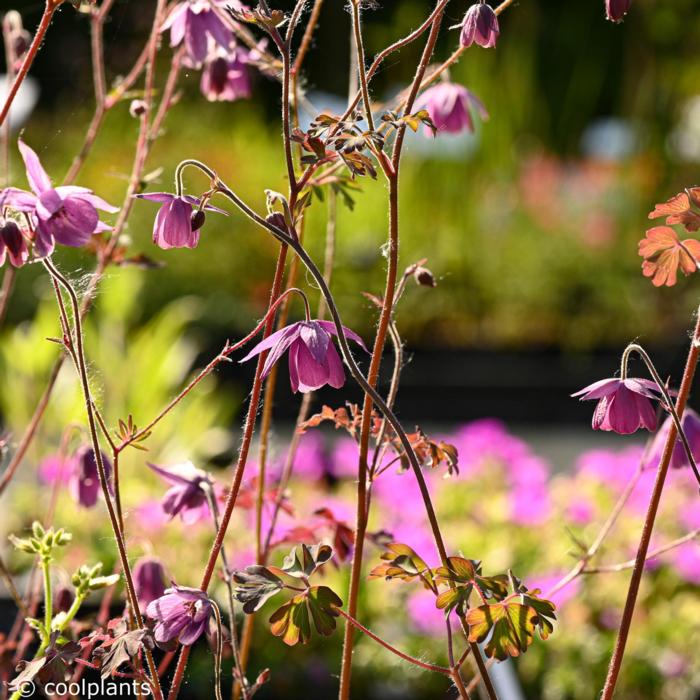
<point x="149" y="577"/>
<point x="624" y="405"/>
<point x="187" y="497"/>
<point x="177" y="224"/>
<point x="313" y="359"/>
<point x="181" y="613"/>
<point x="679" y="459"/>
<point x="615" y="10"/>
<point x="196" y="21"/>
<point x="226" y="77"/>
<point x="64" y="214"/>
<point x="480" y="26"/>
<point x="13" y="244"/>
<point x="449" y="106"/>
<point x="84" y="482"/>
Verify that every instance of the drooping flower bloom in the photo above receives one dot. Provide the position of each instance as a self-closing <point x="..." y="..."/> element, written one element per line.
<point x="177" y="224"/>
<point x="181" y="613"/>
<point x="149" y="577"/>
<point x="226" y="76"/>
<point x="84" y="483"/>
<point x="615" y="10"/>
<point x="13" y="244"/>
<point x="624" y="405"/>
<point x="313" y="359"/>
<point x="664" y="253"/>
<point x="449" y="106"/>
<point x="196" y="21"/>
<point x="64" y="214"/>
<point x="188" y="496"/>
<point x="679" y="459"/>
<point x="480" y="26"/>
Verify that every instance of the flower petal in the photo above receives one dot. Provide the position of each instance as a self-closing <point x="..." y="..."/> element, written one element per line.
<point x="36" y="175"/>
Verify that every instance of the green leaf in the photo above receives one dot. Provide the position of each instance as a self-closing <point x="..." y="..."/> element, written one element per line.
<point x="256" y="584"/>
<point x="403" y="563"/>
<point x="292" y="622"/>
<point x="510" y="624"/>
<point x="302" y="561"/>
<point x="466" y="573"/>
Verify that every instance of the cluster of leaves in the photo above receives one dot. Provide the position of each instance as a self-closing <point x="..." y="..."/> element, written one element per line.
<point x="118" y="645"/>
<point x="430" y="453"/>
<point x="292" y="622"/>
<point x="663" y="251"/>
<point x="57" y="652"/>
<point x="508" y="614"/>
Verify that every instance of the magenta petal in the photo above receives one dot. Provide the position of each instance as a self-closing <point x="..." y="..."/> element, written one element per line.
<point x="645" y="387"/>
<point x="329" y="326"/>
<point x="18" y="199"/>
<point x="598" y="389"/>
<point x="271" y="340"/>
<point x="646" y="413"/>
<point x="312" y="375"/>
<point x="623" y="412"/>
<point x="161" y="197"/>
<point x="49" y="202"/>
<point x="192" y="633"/>
<point x="336" y="374"/>
<point x="280" y="348"/>
<point x="74" y="223"/>
<point x="38" y="179"/>
<point x="196" y="37"/>
<point x="316" y="340"/>
<point x="90" y="198"/>
<point x="217" y="29"/>
<point x="176" y="22"/>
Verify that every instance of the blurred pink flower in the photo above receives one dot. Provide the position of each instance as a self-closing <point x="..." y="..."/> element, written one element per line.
<point x="547" y="581"/>
<point x="480" y="26"/>
<point x="580" y="510"/>
<point x="691" y="426"/>
<point x="450" y="107"/>
<point x="686" y="562"/>
<point x="53" y="469"/>
<point x="530" y="504"/>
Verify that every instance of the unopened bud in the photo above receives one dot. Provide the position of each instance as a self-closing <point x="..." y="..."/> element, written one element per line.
<point x="137" y="108"/>
<point x="424" y="277"/>
<point x="198" y="219"/>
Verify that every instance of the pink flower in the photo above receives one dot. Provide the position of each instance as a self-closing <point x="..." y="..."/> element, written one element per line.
<point x="84" y="483"/>
<point x="177" y="224"/>
<point x="188" y="495"/>
<point x="530" y="504"/>
<point x="449" y="106"/>
<point x="181" y="613"/>
<point x="691" y="427"/>
<point x="580" y="510"/>
<point x="480" y="25"/>
<point x="313" y="359"/>
<point x="686" y="561"/>
<point x="13" y="244"/>
<point x="547" y="582"/>
<point x="615" y="10"/>
<point x="149" y="577"/>
<point x="53" y="469"/>
<point x="196" y="21"/>
<point x="226" y="76"/>
<point x="65" y="214"/>
<point x="624" y="405"/>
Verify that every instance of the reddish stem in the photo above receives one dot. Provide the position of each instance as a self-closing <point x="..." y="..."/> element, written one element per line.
<point x="50" y="7"/>
<point x="633" y="591"/>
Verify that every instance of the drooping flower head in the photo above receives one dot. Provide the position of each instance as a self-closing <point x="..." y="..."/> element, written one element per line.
<point x="149" y="577"/>
<point x="480" y="26"/>
<point x="226" y="76"/>
<point x="66" y="214"/>
<point x="188" y="496"/>
<point x="679" y="459"/>
<point x="13" y="244"/>
<point x="196" y="21"/>
<point x="177" y="224"/>
<point x="615" y="10"/>
<point x="181" y="613"/>
<point x="449" y="106"/>
<point x="84" y="482"/>
<point x="313" y="359"/>
<point x="624" y="405"/>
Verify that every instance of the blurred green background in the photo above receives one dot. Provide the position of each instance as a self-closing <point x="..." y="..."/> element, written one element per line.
<point x="531" y="226"/>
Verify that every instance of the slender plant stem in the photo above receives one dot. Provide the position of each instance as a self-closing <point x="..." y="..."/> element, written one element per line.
<point x="8" y="281"/>
<point x="361" y="68"/>
<point x="248" y="430"/>
<point x="628" y="612"/>
<point x="118" y="534"/>
<point x="50" y="7"/>
<point x="406" y="657"/>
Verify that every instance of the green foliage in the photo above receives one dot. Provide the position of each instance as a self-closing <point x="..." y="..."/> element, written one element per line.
<point x="292" y="622"/>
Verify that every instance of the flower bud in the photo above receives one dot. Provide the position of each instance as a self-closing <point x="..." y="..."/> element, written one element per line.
<point x="424" y="277"/>
<point x="63" y="599"/>
<point x="615" y="10"/>
<point x="198" y="219"/>
<point x="137" y="108"/>
<point x="149" y="578"/>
